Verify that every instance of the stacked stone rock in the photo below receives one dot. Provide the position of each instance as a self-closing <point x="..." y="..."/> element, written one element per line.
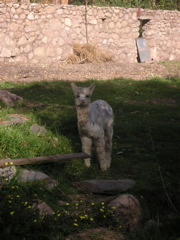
<point x="162" y="33"/>
<point x="42" y="33"/>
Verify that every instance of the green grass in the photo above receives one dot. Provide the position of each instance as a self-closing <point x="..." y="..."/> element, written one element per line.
<point x="145" y="148"/>
<point x="161" y="4"/>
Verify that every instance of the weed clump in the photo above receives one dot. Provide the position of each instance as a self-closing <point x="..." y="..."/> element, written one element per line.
<point x="19" y="218"/>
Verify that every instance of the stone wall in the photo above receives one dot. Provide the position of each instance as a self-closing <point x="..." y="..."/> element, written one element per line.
<point x="162" y="33"/>
<point x="41" y="33"/>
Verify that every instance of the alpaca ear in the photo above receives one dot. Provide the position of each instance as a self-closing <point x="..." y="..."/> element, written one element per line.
<point x="91" y="87"/>
<point x="74" y="87"/>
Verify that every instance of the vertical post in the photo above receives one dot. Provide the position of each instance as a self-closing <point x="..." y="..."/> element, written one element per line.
<point x="86" y="22"/>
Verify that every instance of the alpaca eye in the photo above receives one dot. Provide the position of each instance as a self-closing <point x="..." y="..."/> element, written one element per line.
<point x="77" y="96"/>
<point x="87" y="96"/>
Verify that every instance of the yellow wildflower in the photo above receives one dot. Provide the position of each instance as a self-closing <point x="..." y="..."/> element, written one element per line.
<point x="113" y="207"/>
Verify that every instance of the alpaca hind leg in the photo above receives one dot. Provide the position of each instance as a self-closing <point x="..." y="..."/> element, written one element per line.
<point x="108" y="146"/>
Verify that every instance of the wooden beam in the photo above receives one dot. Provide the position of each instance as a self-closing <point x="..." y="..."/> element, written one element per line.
<point x="43" y="159"/>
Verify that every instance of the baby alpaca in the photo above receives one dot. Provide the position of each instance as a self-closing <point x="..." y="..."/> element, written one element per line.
<point x="95" y="123"/>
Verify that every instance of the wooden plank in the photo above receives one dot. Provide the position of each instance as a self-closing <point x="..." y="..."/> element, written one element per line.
<point x="42" y="159"/>
<point x="142" y="49"/>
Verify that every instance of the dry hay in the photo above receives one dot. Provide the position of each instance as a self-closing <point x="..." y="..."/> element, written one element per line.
<point x="88" y="53"/>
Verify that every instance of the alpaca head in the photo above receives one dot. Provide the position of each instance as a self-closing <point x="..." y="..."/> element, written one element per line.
<point x="82" y="94"/>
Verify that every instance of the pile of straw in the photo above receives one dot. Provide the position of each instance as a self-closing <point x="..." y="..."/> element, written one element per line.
<point x="87" y="53"/>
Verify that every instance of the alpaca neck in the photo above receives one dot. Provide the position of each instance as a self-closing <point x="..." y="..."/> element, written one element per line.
<point x="82" y="115"/>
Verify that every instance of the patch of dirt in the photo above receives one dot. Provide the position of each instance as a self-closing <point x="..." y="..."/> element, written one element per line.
<point x="83" y="72"/>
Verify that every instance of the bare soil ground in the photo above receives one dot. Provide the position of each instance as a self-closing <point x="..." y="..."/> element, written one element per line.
<point x="88" y="71"/>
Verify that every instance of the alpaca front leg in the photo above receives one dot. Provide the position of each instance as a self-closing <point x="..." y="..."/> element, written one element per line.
<point x="87" y="148"/>
<point x="100" y="150"/>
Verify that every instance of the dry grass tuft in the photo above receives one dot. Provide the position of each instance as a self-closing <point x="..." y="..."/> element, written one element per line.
<point x="88" y="53"/>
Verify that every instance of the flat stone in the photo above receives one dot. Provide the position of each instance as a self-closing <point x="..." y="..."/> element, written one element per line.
<point x="30" y="175"/>
<point x="111" y="25"/>
<point x="2" y="10"/>
<point x="50" y="51"/>
<point x="45" y="40"/>
<point x="22" y="16"/>
<point x="55" y="24"/>
<point x="50" y="9"/>
<point x="67" y="22"/>
<point x="15" y="52"/>
<point x="40" y="52"/>
<point x="21" y="58"/>
<point x="22" y="116"/>
<point x="22" y="41"/>
<point x="108" y="187"/>
<point x="3" y="25"/>
<point x="96" y="233"/>
<point x="30" y="16"/>
<point x="24" y="6"/>
<point x="5" y="53"/>
<point x="31" y="28"/>
<point x="27" y="48"/>
<point x="93" y="21"/>
<point x="5" y="123"/>
<point x="11" y="122"/>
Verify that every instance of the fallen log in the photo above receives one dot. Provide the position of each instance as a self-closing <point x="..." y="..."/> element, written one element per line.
<point x="42" y="159"/>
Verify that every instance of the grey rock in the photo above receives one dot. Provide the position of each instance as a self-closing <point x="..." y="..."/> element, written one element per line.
<point x="6" y="175"/>
<point x="96" y="234"/>
<point x="10" y="99"/>
<point x="127" y="209"/>
<point x="44" y="208"/>
<point x="17" y="120"/>
<point x="30" y="175"/>
<point x="150" y="225"/>
<point x="35" y="128"/>
<point x="108" y="187"/>
<point x="14" y="119"/>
